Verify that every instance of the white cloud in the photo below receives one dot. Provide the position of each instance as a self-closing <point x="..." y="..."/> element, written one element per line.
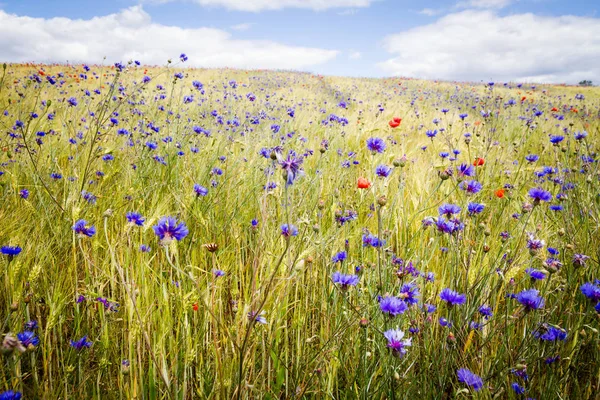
<point x="430" y="12"/>
<point x="242" y="27"/>
<point x="260" y="5"/>
<point x="480" y="45"/>
<point x="484" y="3"/>
<point x="131" y="34"/>
<point x="355" y="55"/>
<point x="350" y="11"/>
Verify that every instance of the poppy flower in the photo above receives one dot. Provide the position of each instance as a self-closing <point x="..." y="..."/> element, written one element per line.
<point x="363" y="183"/>
<point x="478" y="162"/>
<point x="395" y="122"/>
<point x="554" y="109"/>
<point x="523" y="98"/>
<point x="499" y="193"/>
<point x="195" y="306"/>
<point x="574" y="110"/>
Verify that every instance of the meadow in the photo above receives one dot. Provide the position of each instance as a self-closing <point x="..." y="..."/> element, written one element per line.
<point x="174" y="233"/>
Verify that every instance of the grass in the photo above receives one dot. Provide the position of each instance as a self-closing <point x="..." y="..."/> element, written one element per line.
<point x="161" y="324"/>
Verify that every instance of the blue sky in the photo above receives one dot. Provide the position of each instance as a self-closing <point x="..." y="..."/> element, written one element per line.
<point x="534" y="40"/>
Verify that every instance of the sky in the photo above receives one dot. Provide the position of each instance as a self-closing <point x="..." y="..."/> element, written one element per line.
<point x="543" y="41"/>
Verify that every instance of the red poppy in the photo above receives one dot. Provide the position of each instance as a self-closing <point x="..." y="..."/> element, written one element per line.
<point x="499" y="193"/>
<point x="363" y="183"/>
<point x="395" y="122"/>
<point x="478" y="162"/>
<point x="574" y="110"/>
<point x="195" y="307"/>
<point x="523" y="98"/>
<point x="554" y="109"/>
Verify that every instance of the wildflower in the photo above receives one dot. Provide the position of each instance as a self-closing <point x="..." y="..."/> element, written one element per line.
<point x="135" y="218"/>
<point x="383" y="171"/>
<point x="470" y="379"/>
<point x="471" y="187"/>
<point x="395" y="122"/>
<point x="449" y="209"/>
<point x="550" y="334"/>
<point x="409" y="293"/>
<point x="81" y="343"/>
<point x="591" y="291"/>
<point x="499" y="193"/>
<point x="10" y="251"/>
<point x="376" y="145"/>
<point x="168" y="229"/>
<point x="339" y="257"/>
<point x="518" y="389"/>
<point x="363" y="183"/>
<point x="538" y="194"/>
<point x="28" y="339"/>
<point x="72" y="101"/>
<point x="259" y="318"/>
<point x="144" y="248"/>
<point x="486" y="311"/>
<point x="292" y="168"/>
<point x="30" y="325"/>
<point x="289" y="230"/>
<point x="532" y="158"/>
<point x="345" y="281"/>
<point x="478" y="162"/>
<point x="392" y="306"/>
<point x="82" y="229"/>
<point x="530" y="299"/>
<point x="579" y="260"/>
<point x="370" y="240"/>
<point x="464" y="170"/>
<point x="200" y="190"/>
<point x="535" y="274"/>
<point x="396" y="342"/>
<point x="10" y="395"/>
<point x="24" y="193"/>
<point x="218" y="273"/>
<point x="452" y="298"/>
<point x="475" y="208"/>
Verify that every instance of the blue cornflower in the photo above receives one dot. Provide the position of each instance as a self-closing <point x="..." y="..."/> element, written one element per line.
<point x="449" y="209"/>
<point x="532" y="158"/>
<point x="339" y="257"/>
<point x="535" y="274"/>
<point x="475" y="208"/>
<point x="289" y="230"/>
<point x="10" y="251"/>
<point x="396" y="341"/>
<point x="72" y="101"/>
<point x="218" y="273"/>
<point x="376" y="145"/>
<point x="409" y="293"/>
<point x="431" y="133"/>
<point x="145" y="248"/>
<point x="292" y="168"/>
<point x="383" y="171"/>
<point x="530" y="299"/>
<point x="539" y="194"/>
<point x="168" y="229"/>
<point x="344" y="281"/>
<point x="10" y="395"/>
<point x="24" y="193"/>
<point x="392" y="306"/>
<point x="471" y="187"/>
<point x="28" y="338"/>
<point x="550" y="334"/>
<point x="452" y="298"/>
<point x="135" y="218"/>
<point x="370" y="240"/>
<point x="591" y="291"/>
<point x="470" y="379"/>
<point x="486" y="311"/>
<point x="183" y="57"/>
<point x="580" y="135"/>
<point x="81" y="343"/>
<point x="518" y="389"/>
<point x="465" y="170"/>
<point x="556" y="139"/>
<point x="200" y="190"/>
<point x="259" y="318"/>
<point x="82" y="229"/>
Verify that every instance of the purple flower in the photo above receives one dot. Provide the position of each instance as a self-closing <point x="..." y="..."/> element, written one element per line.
<point x="530" y="299"/>
<point x="396" y="342"/>
<point x="370" y="240"/>
<point x="72" y="101"/>
<point x="82" y="229"/>
<point x="579" y="260"/>
<point x="28" y="338"/>
<point x="591" y="291"/>
<point x="200" y="190"/>
<point x="470" y="379"/>
<point x="168" y="229"/>
<point x="383" y="171"/>
<point x="10" y="251"/>
<point x="339" y="257"/>
<point x="475" y="208"/>
<point x="135" y="218"/>
<point x="81" y="343"/>
<point x="518" y="389"/>
<point x="550" y="334"/>
<point x="144" y="248"/>
<point x="289" y="230"/>
<point x="392" y="306"/>
<point x="486" y="311"/>
<point x="344" y="281"/>
<point x="24" y="193"/>
<point x="449" y="209"/>
<point x="452" y="298"/>
<point x="259" y="318"/>
<point x="292" y="168"/>
<point x="471" y="187"/>
<point x="464" y="170"/>
<point x="10" y="395"/>
<point x="535" y="274"/>
<point x="539" y="194"/>
<point x="409" y="293"/>
<point x="218" y="273"/>
<point x="376" y="145"/>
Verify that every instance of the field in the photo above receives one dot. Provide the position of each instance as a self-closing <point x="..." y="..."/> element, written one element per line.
<point x="172" y="233"/>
